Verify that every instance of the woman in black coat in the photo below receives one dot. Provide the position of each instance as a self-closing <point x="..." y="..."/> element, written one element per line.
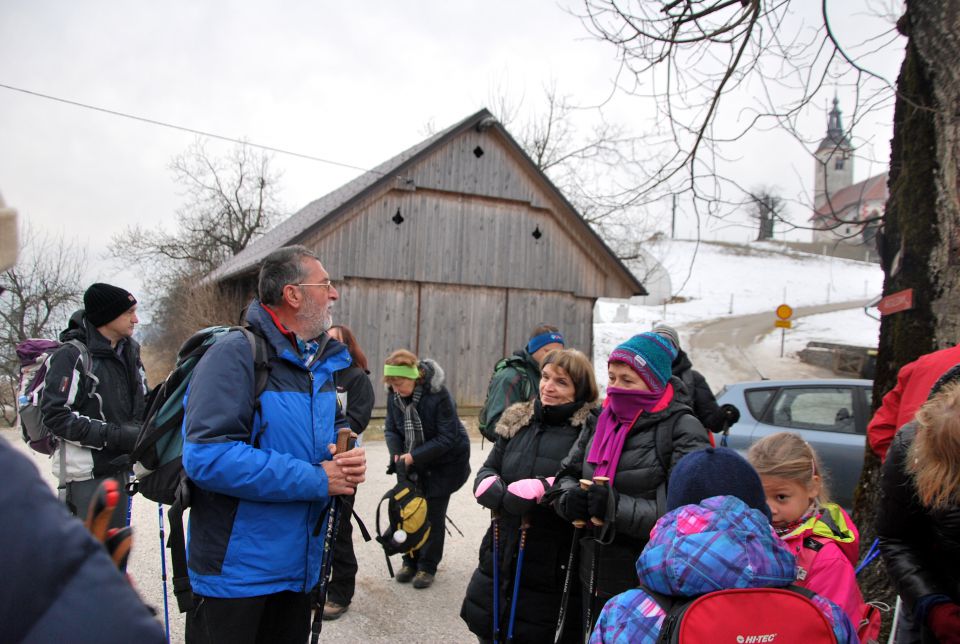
<point x="640" y="435"/>
<point x="422" y="429"/>
<point x="355" y="394"/>
<point x="533" y="437"/>
<point x="918" y="522"/>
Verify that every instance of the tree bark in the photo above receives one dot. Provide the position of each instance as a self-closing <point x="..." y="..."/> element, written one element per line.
<point x="920" y="242"/>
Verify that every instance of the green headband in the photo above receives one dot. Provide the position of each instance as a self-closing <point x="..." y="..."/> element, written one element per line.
<point x="401" y="371"/>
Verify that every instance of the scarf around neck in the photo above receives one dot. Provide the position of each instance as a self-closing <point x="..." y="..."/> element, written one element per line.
<point x="412" y="427"/>
<point x="621" y="410"/>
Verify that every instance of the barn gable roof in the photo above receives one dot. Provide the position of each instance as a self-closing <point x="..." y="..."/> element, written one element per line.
<point x="327" y="209"/>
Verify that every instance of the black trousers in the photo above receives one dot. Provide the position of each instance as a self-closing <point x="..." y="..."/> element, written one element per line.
<point x="280" y="618"/>
<point x="80" y="493"/>
<point x="428" y="557"/>
<point x="344" y="574"/>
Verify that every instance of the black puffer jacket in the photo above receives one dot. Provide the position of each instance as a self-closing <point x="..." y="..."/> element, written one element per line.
<point x="920" y="547"/>
<point x="531" y="444"/>
<point x="696" y="393"/>
<point x="442" y="462"/>
<point x="638" y="478"/>
<point x="99" y="428"/>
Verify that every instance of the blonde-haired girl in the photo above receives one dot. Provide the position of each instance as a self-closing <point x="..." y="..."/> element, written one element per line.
<point x="819" y="533"/>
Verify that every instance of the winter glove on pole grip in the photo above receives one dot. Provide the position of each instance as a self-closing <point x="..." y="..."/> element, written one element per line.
<point x="576" y="505"/>
<point x="489" y="493"/>
<point x="597" y="498"/>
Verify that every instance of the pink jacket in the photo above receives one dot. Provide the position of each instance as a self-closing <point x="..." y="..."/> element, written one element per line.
<point x="827" y="547"/>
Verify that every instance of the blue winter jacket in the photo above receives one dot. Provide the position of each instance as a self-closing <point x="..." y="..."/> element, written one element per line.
<point x="695" y="549"/>
<point x="259" y="491"/>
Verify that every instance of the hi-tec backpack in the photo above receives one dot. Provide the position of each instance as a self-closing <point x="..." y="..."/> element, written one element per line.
<point x="34" y="356"/>
<point x="156" y="459"/>
<point x="744" y="615"/>
<point x="407" y="528"/>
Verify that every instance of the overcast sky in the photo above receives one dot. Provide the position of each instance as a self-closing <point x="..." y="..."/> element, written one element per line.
<point x="350" y="82"/>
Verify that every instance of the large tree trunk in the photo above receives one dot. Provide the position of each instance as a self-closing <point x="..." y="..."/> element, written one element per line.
<point x="920" y="244"/>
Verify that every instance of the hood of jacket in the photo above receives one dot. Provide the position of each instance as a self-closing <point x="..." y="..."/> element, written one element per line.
<point x="832" y="522"/>
<point x="519" y="415"/>
<point x="681" y="363"/>
<point x="719" y="543"/>
<point x="432" y="375"/>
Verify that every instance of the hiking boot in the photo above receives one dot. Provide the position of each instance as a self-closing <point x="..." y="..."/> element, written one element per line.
<point x="406" y="573"/>
<point x="423" y="580"/>
<point x="333" y="610"/>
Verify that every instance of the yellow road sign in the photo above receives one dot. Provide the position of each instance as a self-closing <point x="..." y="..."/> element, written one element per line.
<point x="782" y="324"/>
<point x="784" y="311"/>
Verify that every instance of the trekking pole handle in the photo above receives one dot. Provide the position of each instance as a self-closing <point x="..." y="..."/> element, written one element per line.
<point x="346" y="440"/>
<point x="602" y="481"/>
<point x="584" y="484"/>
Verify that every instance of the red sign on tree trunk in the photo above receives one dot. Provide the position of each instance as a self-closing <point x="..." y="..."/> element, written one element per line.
<point x="896" y="302"/>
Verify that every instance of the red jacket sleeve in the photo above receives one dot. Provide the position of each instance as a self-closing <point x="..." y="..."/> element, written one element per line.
<point x="883" y="425"/>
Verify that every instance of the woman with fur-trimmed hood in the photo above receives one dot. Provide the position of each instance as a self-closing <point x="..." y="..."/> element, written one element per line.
<point x="533" y="437"/>
<point x="423" y="430"/>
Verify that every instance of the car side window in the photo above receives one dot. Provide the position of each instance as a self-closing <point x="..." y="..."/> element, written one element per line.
<point x="757" y="400"/>
<point x="816" y="408"/>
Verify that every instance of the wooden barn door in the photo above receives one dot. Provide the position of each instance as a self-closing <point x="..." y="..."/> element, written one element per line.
<point x="462" y="328"/>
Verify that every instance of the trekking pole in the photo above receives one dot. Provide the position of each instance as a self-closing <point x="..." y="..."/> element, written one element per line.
<point x="578" y="526"/>
<point x="495" y="521"/>
<point x="163" y="574"/>
<point x="594" y="569"/>
<point x="346" y="439"/>
<point x="524" y="524"/>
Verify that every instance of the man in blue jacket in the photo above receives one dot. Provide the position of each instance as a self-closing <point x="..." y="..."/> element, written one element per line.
<point x="264" y="472"/>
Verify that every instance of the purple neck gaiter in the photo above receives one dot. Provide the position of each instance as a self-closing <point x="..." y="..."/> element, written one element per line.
<point x="625" y="404"/>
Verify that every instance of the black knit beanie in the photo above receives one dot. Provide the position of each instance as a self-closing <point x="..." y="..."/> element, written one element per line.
<point x="104" y="303"/>
<point x="715" y="471"/>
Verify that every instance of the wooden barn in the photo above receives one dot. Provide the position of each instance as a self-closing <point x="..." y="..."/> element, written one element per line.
<point x="455" y="249"/>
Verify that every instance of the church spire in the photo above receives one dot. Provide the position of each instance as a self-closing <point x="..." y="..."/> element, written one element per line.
<point x="835" y="124"/>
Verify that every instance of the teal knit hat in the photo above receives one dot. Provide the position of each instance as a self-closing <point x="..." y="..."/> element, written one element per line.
<point x="650" y="355"/>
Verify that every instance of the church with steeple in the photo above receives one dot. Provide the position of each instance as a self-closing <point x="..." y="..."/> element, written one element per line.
<point x="844" y="211"/>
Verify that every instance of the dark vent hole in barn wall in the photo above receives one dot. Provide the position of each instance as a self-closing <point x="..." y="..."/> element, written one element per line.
<point x="536" y="233"/>
<point x="478" y="152"/>
<point x="397" y="218"/>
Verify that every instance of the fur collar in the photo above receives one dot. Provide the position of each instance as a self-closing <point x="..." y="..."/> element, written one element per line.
<point x="519" y="415"/>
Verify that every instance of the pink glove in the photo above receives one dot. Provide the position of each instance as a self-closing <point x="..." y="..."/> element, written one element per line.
<point x="523" y="495"/>
<point x="530" y="489"/>
<point x="489" y="493"/>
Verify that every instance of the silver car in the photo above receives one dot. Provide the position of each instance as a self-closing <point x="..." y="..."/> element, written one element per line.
<point x="831" y="415"/>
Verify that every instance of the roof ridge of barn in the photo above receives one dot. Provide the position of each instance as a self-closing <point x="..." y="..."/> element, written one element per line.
<point x="301" y="223"/>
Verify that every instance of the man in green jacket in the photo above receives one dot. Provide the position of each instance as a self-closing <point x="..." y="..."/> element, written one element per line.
<point x="516" y="378"/>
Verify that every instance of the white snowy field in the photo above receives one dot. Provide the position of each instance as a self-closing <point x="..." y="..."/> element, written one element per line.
<point x="727" y="280"/>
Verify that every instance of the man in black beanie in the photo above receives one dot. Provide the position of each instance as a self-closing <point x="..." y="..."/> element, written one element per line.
<point x="94" y="396"/>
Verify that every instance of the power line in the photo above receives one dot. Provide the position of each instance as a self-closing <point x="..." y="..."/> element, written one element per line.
<point x="182" y="128"/>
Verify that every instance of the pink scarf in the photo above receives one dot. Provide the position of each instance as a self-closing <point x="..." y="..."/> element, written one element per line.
<point x="621" y="409"/>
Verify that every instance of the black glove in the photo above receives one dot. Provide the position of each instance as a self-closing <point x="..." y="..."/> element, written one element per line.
<point x="598" y="496"/>
<point x="489" y="492"/>
<point x="576" y="505"/>
<point x="121" y="438"/>
<point x="730" y="414"/>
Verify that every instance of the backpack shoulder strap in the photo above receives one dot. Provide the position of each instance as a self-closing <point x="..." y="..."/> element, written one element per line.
<point x="86" y="362"/>
<point x="663" y="445"/>
<point x="260" y="348"/>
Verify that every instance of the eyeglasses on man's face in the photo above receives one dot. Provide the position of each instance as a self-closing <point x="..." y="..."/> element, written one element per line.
<point x="328" y="284"/>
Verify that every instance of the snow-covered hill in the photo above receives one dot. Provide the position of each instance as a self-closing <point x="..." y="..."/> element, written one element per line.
<point x="714" y="280"/>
